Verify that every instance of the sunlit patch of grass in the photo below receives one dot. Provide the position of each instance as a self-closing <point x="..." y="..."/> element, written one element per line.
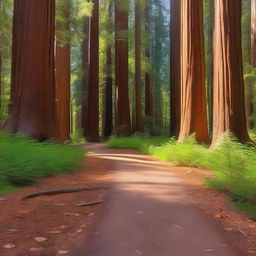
<point x="23" y="161"/>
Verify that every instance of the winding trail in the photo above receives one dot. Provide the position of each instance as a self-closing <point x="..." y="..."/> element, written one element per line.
<point x="147" y="212"/>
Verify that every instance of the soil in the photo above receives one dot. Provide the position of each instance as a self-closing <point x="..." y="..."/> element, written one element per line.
<point x="72" y="230"/>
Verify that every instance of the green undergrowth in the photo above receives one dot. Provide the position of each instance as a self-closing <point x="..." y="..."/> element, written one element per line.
<point x="23" y="161"/>
<point x="233" y="164"/>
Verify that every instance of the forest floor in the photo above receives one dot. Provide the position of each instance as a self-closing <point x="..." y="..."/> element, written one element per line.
<point x="150" y="209"/>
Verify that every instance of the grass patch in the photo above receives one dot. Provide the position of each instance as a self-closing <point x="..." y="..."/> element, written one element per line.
<point x="233" y="164"/>
<point x="23" y="161"/>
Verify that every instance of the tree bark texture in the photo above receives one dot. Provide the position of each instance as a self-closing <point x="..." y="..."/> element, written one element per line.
<point x="85" y="82"/>
<point x="33" y="85"/>
<point x="229" y="99"/>
<point x="123" y="119"/>
<point x="108" y="110"/>
<point x="193" y="93"/>
<point x="138" y="81"/>
<point x="175" y="66"/>
<point x="62" y="73"/>
<point x="149" y="109"/>
<point x="93" y="84"/>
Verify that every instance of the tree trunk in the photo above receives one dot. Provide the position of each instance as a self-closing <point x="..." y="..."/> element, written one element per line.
<point x="1" y="67"/>
<point x="62" y="73"/>
<point x="193" y="94"/>
<point x="93" y="85"/>
<point x="138" y="105"/>
<point x="85" y="82"/>
<point x="108" y="111"/>
<point x="250" y="108"/>
<point x="229" y="100"/>
<point x="149" y="109"/>
<point x="123" y="119"/>
<point x="175" y="66"/>
<point x="33" y="86"/>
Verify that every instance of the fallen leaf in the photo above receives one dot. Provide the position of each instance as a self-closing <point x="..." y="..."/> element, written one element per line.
<point x="12" y="231"/>
<point x="91" y="214"/>
<point x="63" y="252"/>
<point x="178" y="226"/>
<point x="40" y="239"/>
<point x="208" y="250"/>
<point x="229" y="229"/>
<point x="79" y="231"/>
<point x="55" y="232"/>
<point x="9" y="246"/>
<point x="63" y="226"/>
<point x="220" y="215"/>
<point x="71" y="214"/>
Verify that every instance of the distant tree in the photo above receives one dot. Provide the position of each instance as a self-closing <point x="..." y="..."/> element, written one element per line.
<point x="93" y="83"/>
<point x="33" y="89"/>
<point x="62" y="67"/>
<point x="108" y="106"/>
<point x="123" y="119"/>
<point x="193" y="94"/>
<point x="138" y="81"/>
<point x="229" y="100"/>
<point x="175" y="80"/>
<point x="149" y="108"/>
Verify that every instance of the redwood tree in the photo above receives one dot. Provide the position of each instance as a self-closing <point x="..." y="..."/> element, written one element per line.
<point x="138" y="105"/>
<point x="123" y="119"/>
<point x="108" y="110"/>
<point x="229" y="102"/>
<point x="32" y="93"/>
<point x="62" y="67"/>
<point x="193" y="94"/>
<point x="85" y="80"/>
<point x="93" y="83"/>
<point x="175" y="66"/>
<point x="149" y="109"/>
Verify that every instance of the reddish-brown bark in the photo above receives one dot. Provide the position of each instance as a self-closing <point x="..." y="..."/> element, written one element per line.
<point x="138" y="87"/>
<point x="123" y="119"/>
<point x="193" y="94"/>
<point x="175" y="66"/>
<point x="62" y="73"/>
<point x="85" y="66"/>
<point x="229" y="100"/>
<point x="108" y="110"/>
<point x="93" y="85"/>
<point x="250" y="107"/>
<point x="33" y="86"/>
<point x="149" y="109"/>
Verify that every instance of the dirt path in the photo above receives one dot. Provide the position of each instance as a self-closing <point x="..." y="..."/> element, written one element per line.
<point x="147" y="212"/>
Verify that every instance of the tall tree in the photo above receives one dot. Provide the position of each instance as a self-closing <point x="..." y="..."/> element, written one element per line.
<point x="108" y="110"/>
<point x="175" y="66"/>
<point x="123" y="119"/>
<point x="93" y="83"/>
<point x="138" y="82"/>
<point x="250" y="107"/>
<point x="85" y="79"/>
<point x="193" y="94"/>
<point x="229" y="102"/>
<point x="33" y="86"/>
<point x="62" y="67"/>
<point x="149" y="109"/>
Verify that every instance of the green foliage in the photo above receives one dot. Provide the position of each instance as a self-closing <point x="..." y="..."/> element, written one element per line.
<point x="24" y="161"/>
<point x="139" y="142"/>
<point x="233" y="164"/>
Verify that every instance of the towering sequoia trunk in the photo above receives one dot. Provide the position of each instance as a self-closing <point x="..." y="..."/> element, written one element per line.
<point x="32" y="92"/>
<point x="62" y="67"/>
<point x="93" y="85"/>
<point x="149" y="110"/>
<point x="250" y="109"/>
<point x="85" y="64"/>
<point x="229" y="102"/>
<point x="175" y="66"/>
<point x="123" y="119"/>
<point x="108" y="114"/>
<point x="193" y="94"/>
<point x="138" y="105"/>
